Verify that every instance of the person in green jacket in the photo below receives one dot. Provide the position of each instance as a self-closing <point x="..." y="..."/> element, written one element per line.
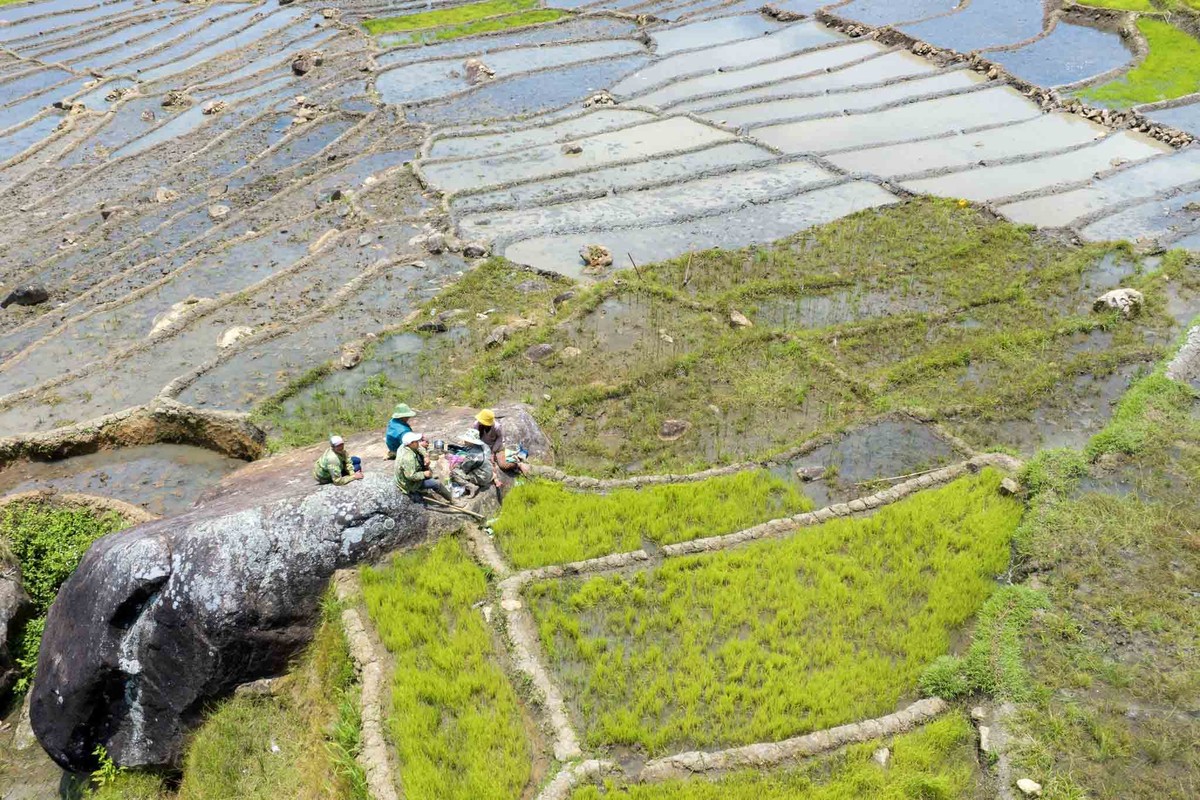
<point x="334" y="465"/>
<point x="412" y="475"/>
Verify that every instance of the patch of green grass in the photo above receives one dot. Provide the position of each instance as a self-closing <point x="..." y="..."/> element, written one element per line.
<point x="518" y="20"/>
<point x="1057" y="470"/>
<point x="1152" y="413"/>
<point x="544" y="523"/>
<point x="831" y="625"/>
<point x="455" y="718"/>
<point x="300" y="742"/>
<point x="993" y="664"/>
<point x="934" y="762"/>
<point x="455" y="15"/>
<point x="1123" y="5"/>
<point x="1171" y="69"/>
<point x="47" y="542"/>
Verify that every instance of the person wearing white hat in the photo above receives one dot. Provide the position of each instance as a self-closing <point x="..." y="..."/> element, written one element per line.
<point x="475" y="470"/>
<point x="412" y="474"/>
<point x="334" y="465"/>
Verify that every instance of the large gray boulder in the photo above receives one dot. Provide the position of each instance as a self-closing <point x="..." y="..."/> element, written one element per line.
<point x="160" y="620"/>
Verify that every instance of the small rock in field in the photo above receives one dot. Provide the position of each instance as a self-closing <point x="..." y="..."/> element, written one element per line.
<point x="596" y="256"/>
<point x="229" y="337"/>
<point x="176" y="98"/>
<point x="304" y="62"/>
<point x="1029" y="788"/>
<point x="352" y="354"/>
<point x="882" y="756"/>
<point x="165" y="195"/>
<point x="365" y="239"/>
<point x="572" y="149"/>
<point x="433" y="326"/>
<point x="559" y="299"/>
<point x="213" y="107"/>
<point x="108" y="211"/>
<point x="985" y="739"/>
<point x="977" y="713"/>
<point x="1127" y="301"/>
<point x="739" y="320"/>
<point x="29" y="295"/>
<point x="672" y="429"/>
<point x="1009" y="487"/>
<point x="477" y="71"/>
<point x="475" y="249"/>
<point x="218" y="212"/>
<point x="780" y="14"/>
<point x="810" y="474"/>
<point x="571" y="352"/>
<point x="539" y="352"/>
<point x="600" y="99"/>
<point x="147" y="116"/>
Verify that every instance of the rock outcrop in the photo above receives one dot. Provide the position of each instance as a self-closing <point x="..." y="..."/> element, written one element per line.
<point x="164" y="618"/>
<point x="15" y="608"/>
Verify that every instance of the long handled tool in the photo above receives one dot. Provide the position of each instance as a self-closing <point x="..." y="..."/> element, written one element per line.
<point x="438" y="501"/>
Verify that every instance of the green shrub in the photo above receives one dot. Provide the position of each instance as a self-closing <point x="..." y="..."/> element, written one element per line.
<point x="455" y="718"/>
<point x="544" y="523"/>
<point x="936" y="761"/>
<point x="47" y="542"/>
<point x="779" y="638"/>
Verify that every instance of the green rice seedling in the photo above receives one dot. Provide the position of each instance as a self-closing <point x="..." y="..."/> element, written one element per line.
<point x="779" y="638"/>
<point x="455" y="15"/>
<point x="455" y="719"/>
<point x="936" y="761"/>
<point x="490" y="25"/>
<point x="1171" y="69"/>
<point x="544" y="523"/>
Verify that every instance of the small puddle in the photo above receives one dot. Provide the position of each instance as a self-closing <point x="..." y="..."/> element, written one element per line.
<point x="164" y="479"/>
<point x="860" y="457"/>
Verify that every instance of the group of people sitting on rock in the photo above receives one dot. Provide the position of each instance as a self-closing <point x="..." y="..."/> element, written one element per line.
<point x="477" y="461"/>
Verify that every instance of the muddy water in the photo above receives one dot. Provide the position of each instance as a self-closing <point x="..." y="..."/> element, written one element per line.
<point x="982" y="24"/>
<point x="491" y="144"/>
<point x="162" y="478"/>
<point x="1162" y="220"/>
<point x="1071" y="53"/>
<point x="710" y="33"/>
<point x="883" y="450"/>
<point x="890" y="12"/>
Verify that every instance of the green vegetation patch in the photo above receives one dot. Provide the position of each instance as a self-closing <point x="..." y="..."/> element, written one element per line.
<point x="518" y="20"/>
<point x="832" y="625"/>
<point x="544" y="523"/>
<point x="932" y="763"/>
<point x="455" y="719"/>
<point x="925" y="306"/>
<point x="301" y="742"/>
<point x="455" y="15"/>
<point x="47" y="542"/>
<point x="1171" y="69"/>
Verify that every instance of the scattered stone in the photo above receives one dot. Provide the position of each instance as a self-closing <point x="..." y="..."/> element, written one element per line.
<point x="165" y="195"/>
<point x="559" y="299"/>
<point x="781" y="14"/>
<point x="1009" y="487"/>
<point x="118" y="93"/>
<point x="306" y="61"/>
<point x="739" y="320"/>
<point x="218" y="212"/>
<point x="572" y="149"/>
<point x="29" y="295"/>
<point x="571" y="352"/>
<point x="501" y="333"/>
<point x="352" y="354"/>
<point x="882" y="756"/>
<point x="596" y="256"/>
<point x="107" y="211"/>
<point x="431" y="241"/>
<point x="433" y="326"/>
<point x="1127" y="301"/>
<point x="213" y="107"/>
<point x="1029" y="787"/>
<point x="600" y="99"/>
<point x="147" y="116"/>
<point x="985" y="739"/>
<point x="810" y="474"/>
<point x="330" y="13"/>
<point x="176" y="98"/>
<point x="478" y="72"/>
<point x="978" y="714"/>
<point x="263" y="687"/>
<point x="476" y="249"/>
<point x="672" y="429"/>
<point x="539" y="352"/>
<point x="487" y="612"/>
<point x="231" y="336"/>
<point x="168" y="318"/>
<point x="365" y="240"/>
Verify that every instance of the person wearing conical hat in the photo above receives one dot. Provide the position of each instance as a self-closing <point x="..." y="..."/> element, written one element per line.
<point x="397" y="427"/>
<point x="474" y="463"/>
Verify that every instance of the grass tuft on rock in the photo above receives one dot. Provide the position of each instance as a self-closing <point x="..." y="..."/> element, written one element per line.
<point x="455" y="719"/>
<point x="935" y="762"/>
<point x="543" y="523"/>
<point x="832" y="625"/>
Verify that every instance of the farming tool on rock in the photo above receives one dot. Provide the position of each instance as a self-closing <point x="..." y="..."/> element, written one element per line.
<point x="437" y="501"/>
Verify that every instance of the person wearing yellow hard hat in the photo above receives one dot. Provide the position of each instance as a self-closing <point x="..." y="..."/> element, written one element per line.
<point x="508" y="458"/>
